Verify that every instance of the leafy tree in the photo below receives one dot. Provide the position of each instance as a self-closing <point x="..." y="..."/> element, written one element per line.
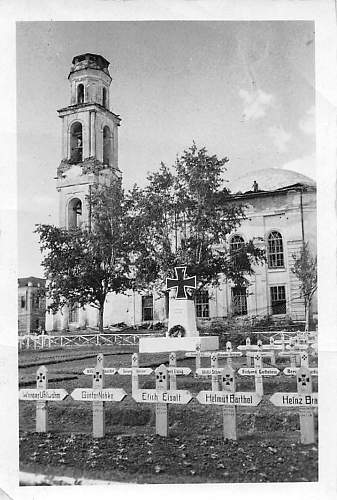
<point x="305" y="269"/>
<point x="184" y="217"/>
<point x="84" y="264"/>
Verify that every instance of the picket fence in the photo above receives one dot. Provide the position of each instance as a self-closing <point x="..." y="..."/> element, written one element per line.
<point x="75" y="340"/>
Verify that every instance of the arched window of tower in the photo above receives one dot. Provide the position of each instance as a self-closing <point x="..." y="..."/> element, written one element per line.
<point x="107" y="144"/>
<point x="74" y="213"/>
<point x="104" y="102"/>
<point x="76" y="142"/>
<point x="80" y="93"/>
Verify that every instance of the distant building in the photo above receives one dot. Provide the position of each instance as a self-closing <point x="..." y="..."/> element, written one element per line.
<point x="281" y="215"/>
<point x="31" y="305"/>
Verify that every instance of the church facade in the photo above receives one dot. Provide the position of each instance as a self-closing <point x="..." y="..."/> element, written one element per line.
<point x="280" y="216"/>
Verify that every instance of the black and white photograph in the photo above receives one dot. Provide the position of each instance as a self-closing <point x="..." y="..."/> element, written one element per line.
<point x="168" y="308"/>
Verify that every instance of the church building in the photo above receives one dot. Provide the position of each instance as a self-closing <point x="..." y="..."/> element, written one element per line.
<point x="281" y="216"/>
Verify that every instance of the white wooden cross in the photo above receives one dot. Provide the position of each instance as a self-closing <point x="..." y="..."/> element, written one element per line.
<point x="258" y="372"/>
<point x="248" y="358"/>
<point x="215" y="376"/>
<point x="135" y="370"/>
<point x="42" y="394"/>
<point x="42" y="406"/>
<point x="174" y="370"/>
<point x="161" y="408"/>
<point x="304" y="361"/>
<point x="305" y="399"/>
<point x="98" y="395"/>
<point x="98" y="413"/>
<point x="293" y="351"/>
<point x="258" y="377"/>
<point x="229" y="411"/>
<point x="252" y="349"/>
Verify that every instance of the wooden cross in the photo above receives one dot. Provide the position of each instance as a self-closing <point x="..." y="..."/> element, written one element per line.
<point x="161" y="408"/>
<point x="229" y="411"/>
<point x="98" y="413"/>
<point x="215" y="377"/>
<point x="305" y="399"/>
<point x="98" y="395"/>
<point x="135" y="370"/>
<point x="258" y="376"/>
<point x="304" y="386"/>
<point x="229" y="350"/>
<point x="173" y="376"/>
<point x="248" y="359"/>
<point x="181" y="282"/>
<point x="42" y="406"/>
<point x="41" y="395"/>
<point x="197" y="356"/>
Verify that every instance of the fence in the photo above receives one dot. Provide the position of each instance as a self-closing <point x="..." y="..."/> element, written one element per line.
<point x="48" y="341"/>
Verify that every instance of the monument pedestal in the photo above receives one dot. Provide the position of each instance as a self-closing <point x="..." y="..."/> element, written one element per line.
<point x="182" y="313"/>
<point x="171" y="344"/>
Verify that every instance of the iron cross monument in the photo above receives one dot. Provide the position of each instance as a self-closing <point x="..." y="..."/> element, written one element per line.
<point x="182" y="333"/>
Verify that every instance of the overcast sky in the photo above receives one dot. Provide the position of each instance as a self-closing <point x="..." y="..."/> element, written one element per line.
<point x="242" y="89"/>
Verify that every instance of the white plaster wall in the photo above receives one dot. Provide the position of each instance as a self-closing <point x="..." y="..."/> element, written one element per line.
<point x="116" y="309"/>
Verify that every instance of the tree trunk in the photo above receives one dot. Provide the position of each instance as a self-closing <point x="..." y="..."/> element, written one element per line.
<point x="307" y="315"/>
<point x="100" y="318"/>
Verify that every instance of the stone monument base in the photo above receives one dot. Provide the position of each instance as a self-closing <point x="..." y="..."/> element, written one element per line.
<point x="182" y="312"/>
<point x="171" y="344"/>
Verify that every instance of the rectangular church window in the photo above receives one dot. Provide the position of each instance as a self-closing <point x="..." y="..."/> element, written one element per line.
<point x="147" y="308"/>
<point x="202" y="304"/>
<point x="278" y="299"/>
<point x="74" y="314"/>
<point x="239" y="301"/>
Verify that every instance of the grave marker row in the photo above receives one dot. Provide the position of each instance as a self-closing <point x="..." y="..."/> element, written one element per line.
<point x="162" y="396"/>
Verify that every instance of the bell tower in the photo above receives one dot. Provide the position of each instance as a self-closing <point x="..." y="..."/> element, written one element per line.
<point x="89" y="139"/>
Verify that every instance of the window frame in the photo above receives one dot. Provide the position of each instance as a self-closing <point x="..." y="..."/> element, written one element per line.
<point x="79" y="86"/>
<point x="74" y="309"/>
<point x="279" y="301"/>
<point x="107" y="138"/>
<point x="76" y="151"/>
<point x="74" y="217"/>
<point x="235" y="245"/>
<point x="147" y="308"/>
<point x="243" y="305"/>
<point x="276" y="256"/>
<point x="201" y="301"/>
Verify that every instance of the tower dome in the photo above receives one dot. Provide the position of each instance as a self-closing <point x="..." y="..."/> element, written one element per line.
<point x="269" y="179"/>
<point x="92" y="61"/>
